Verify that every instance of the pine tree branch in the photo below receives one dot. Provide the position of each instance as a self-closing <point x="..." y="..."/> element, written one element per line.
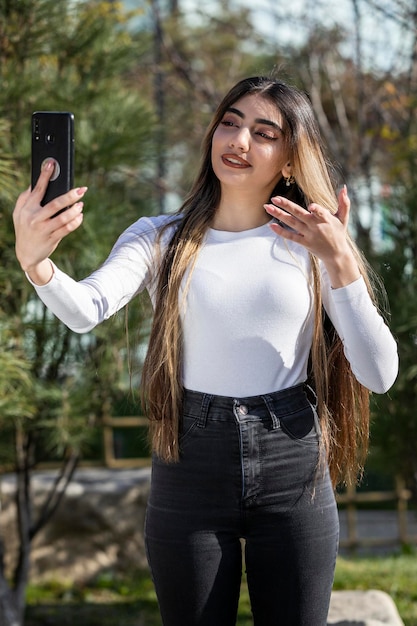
<point x="56" y="493"/>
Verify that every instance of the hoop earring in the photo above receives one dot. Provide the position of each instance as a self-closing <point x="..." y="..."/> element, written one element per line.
<point x="289" y="180"/>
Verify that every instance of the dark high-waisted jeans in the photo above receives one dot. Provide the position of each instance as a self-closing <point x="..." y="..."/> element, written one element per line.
<point x="250" y="471"/>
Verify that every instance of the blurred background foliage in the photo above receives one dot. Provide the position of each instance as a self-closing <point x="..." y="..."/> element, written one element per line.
<point x="142" y="79"/>
<point x="142" y="83"/>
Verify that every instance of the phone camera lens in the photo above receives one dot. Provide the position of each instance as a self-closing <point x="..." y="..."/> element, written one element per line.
<point x="50" y="138"/>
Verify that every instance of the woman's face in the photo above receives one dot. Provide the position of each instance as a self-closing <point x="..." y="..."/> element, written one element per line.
<point x="248" y="149"/>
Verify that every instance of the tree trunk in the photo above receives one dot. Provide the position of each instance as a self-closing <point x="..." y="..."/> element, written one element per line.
<point x="159" y="100"/>
<point x="10" y="614"/>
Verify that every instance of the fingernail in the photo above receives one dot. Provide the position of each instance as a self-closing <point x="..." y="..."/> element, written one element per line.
<point x="81" y="190"/>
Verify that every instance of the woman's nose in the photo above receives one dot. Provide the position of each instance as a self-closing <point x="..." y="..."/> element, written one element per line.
<point x="240" y="140"/>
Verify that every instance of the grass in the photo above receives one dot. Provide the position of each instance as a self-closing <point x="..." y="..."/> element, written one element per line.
<point x="131" y="600"/>
<point x="397" y="575"/>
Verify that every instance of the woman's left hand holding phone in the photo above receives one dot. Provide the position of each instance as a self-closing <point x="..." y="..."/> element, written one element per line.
<point x="39" y="229"/>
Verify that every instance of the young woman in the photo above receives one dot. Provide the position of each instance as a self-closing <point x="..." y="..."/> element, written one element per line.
<point x="265" y="344"/>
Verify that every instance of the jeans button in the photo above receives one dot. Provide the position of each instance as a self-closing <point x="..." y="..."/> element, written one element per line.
<point x="243" y="409"/>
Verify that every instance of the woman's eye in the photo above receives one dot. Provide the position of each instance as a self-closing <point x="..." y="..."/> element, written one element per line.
<point x="266" y="135"/>
<point x="227" y="123"/>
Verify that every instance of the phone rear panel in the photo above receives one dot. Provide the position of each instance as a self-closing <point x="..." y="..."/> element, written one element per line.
<point x="53" y="138"/>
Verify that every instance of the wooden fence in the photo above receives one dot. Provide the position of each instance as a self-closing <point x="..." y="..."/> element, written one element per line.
<point x="110" y="457"/>
<point x="350" y="500"/>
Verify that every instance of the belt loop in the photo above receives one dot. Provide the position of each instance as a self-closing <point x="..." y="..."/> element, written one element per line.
<point x="275" y="421"/>
<point x="205" y="405"/>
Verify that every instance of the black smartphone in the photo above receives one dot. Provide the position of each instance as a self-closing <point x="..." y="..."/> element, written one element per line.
<point x="53" y="138"/>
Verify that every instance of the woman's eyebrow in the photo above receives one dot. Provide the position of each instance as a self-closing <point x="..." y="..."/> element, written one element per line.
<point x="258" y="120"/>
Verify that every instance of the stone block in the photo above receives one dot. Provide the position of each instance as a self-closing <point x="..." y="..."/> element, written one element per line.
<point x="363" y="608"/>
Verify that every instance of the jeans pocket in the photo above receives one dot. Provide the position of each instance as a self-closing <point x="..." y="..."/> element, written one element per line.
<point x="187" y="425"/>
<point x="298" y="424"/>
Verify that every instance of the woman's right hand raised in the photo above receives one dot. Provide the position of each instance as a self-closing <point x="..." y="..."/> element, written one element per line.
<point x="39" y="229"/>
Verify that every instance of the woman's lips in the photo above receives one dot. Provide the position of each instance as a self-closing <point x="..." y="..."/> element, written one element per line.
<point x="232" y="160"/>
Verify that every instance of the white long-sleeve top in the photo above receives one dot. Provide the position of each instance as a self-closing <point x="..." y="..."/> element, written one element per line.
<point x="247" y="313"/>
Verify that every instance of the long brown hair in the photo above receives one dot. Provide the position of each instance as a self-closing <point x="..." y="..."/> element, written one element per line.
<point x="343" y="403"/>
